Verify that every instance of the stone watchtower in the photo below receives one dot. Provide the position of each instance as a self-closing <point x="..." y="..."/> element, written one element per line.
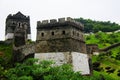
<point x="63" y="41"/>
<point x="18" y="32"/>
<point x="61" y="36"/>
<point x="11" y="23"/>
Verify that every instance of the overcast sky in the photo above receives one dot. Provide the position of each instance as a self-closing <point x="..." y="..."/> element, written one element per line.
<point x="103" y="10"/>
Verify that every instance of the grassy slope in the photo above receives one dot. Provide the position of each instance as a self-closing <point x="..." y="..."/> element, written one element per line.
<point x="6" y="50"/>
<point x="104" y="40"/>
<point x="108" y="62"/>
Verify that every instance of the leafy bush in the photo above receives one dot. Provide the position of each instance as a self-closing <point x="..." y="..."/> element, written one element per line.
<point x="117" y="56"/>
<point x="5" y="59"/>
<point x="32" y="70"/>
<point x="118" y="73"/>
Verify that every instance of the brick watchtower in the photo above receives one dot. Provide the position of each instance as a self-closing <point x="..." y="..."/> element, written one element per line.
<point x="60" y="36"/>
<point x="62" y="41"/>
<point x="11" y="23"/>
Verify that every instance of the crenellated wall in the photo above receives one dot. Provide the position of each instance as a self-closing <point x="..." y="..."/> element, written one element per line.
<point x="64" y="34"/>
<point x="63" y="28"/>
<point x="60" y="21"/>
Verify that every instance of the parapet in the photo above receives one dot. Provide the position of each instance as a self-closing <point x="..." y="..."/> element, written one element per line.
<point x="59" y="21"/>
<point x="55" y="20"/>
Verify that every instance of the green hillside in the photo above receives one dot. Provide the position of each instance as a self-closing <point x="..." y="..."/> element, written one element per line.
<point x="103" y="39"/>
<point x="6" y="50"/>
<point x="107" y="63"/>
<point x="95" y="26"/>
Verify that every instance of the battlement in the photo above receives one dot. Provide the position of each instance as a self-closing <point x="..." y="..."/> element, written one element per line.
<point x="55" y="20"/>
<point x="58" y="22"/>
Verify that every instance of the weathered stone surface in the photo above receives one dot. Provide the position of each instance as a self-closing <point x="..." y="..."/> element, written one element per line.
<point x="45" y="21"/>
<point x="53" y="21"/>
<point x="29" y="36"/>
<point x="19" y="38"/>
<point x="20" y="53"/>
<point x="61" y="20"/>
<point x="92" y="48"/>
<point x="59" y="32"/>
<point x="28" y="49"/>
<point x="57" y="57"/>
<point x="80" y="63"/>
<point x="69" y="19"/>
<point x="60" y="45"/>
<point x="12" y="21"/>
<point x="78" y="60"/>
<point x="9" y="36"/>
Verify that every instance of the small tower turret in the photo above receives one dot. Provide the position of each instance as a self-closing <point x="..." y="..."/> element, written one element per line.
<point x="11" y="23"/>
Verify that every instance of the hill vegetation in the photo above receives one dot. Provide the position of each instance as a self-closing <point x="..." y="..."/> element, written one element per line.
<point x="107" y="63"/>
<point x="29" y="70"/>
<point x="103" y="39"/>
<point x="95" y="26"/>
<point x="5" y="58"/>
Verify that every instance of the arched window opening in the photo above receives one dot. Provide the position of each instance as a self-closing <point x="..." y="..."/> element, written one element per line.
<point x="19" y="24"/>
<point x="42" y="34"/>
<point x="52" y="33"/>
<point x="63" y="32"/>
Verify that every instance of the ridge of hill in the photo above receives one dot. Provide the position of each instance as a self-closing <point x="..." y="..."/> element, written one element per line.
<point x="95" y="26"/>
<point x="107" y="62"/>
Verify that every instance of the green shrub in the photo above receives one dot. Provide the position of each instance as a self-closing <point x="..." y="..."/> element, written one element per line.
<point x="117" y="56"/>
<point x="32" y="70"/>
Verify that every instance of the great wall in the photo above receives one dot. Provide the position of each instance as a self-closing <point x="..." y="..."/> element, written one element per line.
<point x="60" y="40"/>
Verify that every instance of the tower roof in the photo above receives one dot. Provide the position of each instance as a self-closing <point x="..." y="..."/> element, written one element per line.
<point x="18" y="15"/>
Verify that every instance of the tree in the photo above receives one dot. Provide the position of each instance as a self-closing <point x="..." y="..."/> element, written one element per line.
<point x="95" y="26"/>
